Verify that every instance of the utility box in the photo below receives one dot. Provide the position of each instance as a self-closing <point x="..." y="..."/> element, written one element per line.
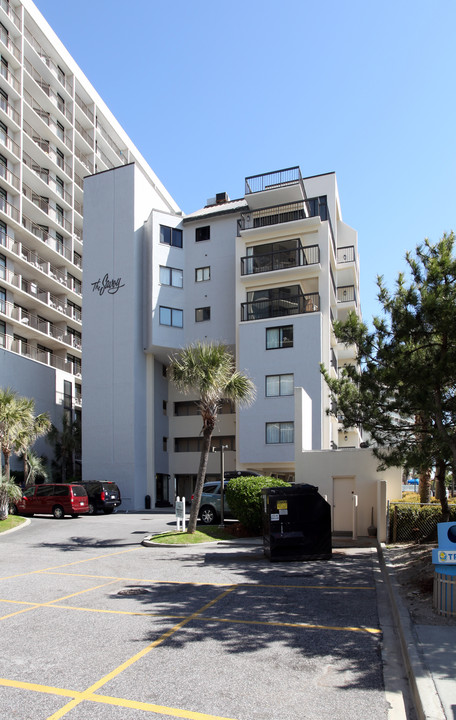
<point x="444" y="560"/>
<point x="296" y="524"/>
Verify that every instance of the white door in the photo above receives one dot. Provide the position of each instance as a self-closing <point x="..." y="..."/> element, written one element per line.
<point x="343" y="491"/>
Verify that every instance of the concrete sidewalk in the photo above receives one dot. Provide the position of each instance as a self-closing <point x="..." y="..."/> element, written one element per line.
<point x="429" y="653"/>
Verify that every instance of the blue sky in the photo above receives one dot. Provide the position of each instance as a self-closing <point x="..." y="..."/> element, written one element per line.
<point x="213" y="92"/>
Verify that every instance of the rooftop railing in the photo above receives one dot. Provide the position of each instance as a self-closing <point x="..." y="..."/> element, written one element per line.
<point x="276" y="179"/>
<point x="292" y="305"/>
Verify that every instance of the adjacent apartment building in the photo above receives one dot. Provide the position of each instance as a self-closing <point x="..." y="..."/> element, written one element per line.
<point x="266" y="274"/>
<point x="54" y="130"/>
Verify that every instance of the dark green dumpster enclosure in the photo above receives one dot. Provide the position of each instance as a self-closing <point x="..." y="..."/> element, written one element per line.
<point x="296" y="523"/>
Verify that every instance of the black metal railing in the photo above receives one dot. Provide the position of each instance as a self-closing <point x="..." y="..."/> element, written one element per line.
<point x="279" y="307"/>
<point x="346" y="293"/>
<point x="288" y="212"/>
<point x="346" y="254"/>
<point x="272" y="180"/>
<point x="280" y="259"/>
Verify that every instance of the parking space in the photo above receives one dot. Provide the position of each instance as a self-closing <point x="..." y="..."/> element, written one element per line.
<point x="191" y="633"/>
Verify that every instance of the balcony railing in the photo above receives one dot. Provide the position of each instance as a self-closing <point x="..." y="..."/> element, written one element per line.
<point x="9" y="110"/>
<point x="269" y="181"/>
<point x="280" y="260"/>
<point x="293" y="305"/>
<point x="12" y="47"/>
<point x="55" y="98"/>
<point x="346" y="254"/>
<point x="4" y="4"/>
<point x="346" y="293"/>
<point x="63" y="79"/>
<point x="26" y="349"/>
<point x="288" y="212"/>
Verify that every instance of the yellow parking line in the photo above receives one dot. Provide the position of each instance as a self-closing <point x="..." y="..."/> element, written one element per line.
<point x="50" y="603"/>
<point x="304" y="626"/>
<point x="78" y="697"/>
<point x="117" y="671"/>
<point x="76" y="562"/>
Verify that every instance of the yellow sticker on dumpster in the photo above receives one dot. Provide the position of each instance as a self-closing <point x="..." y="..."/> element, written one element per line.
<point x="282" y="505"/>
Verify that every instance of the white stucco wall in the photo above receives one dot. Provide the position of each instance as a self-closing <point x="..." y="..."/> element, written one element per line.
<point x="114" y="439"/>
<point x="373" y="488"/>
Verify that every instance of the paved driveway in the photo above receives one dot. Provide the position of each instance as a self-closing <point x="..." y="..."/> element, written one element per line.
<point x="94" y="625"/>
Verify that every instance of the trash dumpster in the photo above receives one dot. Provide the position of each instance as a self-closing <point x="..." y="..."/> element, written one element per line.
<point x="296" y="523"/>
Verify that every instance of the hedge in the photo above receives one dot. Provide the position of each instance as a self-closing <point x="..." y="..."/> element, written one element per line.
<point x="244" y="498"/>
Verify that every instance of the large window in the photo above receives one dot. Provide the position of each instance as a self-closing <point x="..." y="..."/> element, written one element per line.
<point x="202" y="274"/>
<point x="171" y="276"/>
<point x="203" y="233"/>
<point x="279" y="337"/>
<point x="203" y="313"/>
<point x="170" y="236"/>
<point x="277" y="385"/>
<point x="279" y="432"/>
<point x="171" y="316"/>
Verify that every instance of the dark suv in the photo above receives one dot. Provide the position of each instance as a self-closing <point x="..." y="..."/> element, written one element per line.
<point x="103" y="495"/>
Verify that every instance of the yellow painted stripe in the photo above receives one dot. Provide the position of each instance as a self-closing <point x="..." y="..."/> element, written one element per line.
<point x="47" y="689"/>
<point x="59" y="599"/>
<point x="306" y="626"/>
<point x="78" y="697"/>
<point x="87" y="694"/>
<point x="150" y="707"/>
<point x="76" y="562"/>
<point x="146" y="581"/>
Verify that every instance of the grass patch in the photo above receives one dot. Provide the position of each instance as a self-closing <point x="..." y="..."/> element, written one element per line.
<point x="211" y="533"/>
<point x="11" y="522"/>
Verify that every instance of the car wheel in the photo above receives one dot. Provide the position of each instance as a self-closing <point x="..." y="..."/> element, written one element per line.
<point x="208" y="515"/>
<point x="58" y="512"/>
<point x="92" y="509"/>
<point x="108" y="511"/>
<point x="13" y="510"/>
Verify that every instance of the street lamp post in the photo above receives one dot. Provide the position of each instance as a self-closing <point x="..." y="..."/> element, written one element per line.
<point x="221" y="450"/>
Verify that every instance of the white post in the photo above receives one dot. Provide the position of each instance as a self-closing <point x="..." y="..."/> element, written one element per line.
<point x="180" y="514"/>
<point x="355" y="505"/>
<point x="183" y="514"/>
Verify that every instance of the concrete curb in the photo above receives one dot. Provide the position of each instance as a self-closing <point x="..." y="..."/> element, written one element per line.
<point x="425" y="696"/>
<point x="148" y="542"/>
<point x="18" y="527"/>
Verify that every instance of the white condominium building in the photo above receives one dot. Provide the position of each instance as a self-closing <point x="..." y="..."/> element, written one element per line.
<point x="266" y="274"/>
<point x="54" y="130"/>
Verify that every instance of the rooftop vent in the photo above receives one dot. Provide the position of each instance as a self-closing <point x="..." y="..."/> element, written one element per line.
<point x="221" y="198"/>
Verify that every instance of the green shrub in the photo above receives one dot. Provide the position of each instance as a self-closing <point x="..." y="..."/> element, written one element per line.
<point x="412" y="521"/>
<point x="244" y="498"/>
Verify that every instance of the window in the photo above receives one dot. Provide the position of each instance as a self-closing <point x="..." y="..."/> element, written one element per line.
<point x="3" y="133"/>
<point x="59" y="187"/>
<point x="3" y="100"/>
<point x="171" y="276"/>
<point x="2" y="300"/>
<point x="170" y="236"/>
<point x="3" y="267"/>
<point x="202" y="274"/>
<point x="279" y="432"/>
<point x="203" y="233"/>
<point x="60" y="131"/>
<point x="3" y="232"/>
<point x="2" y="334"/>
<point x="277" y="385"/>
<point x="171" y="316"/>
<point x="165" y="444"/>
<point x="202" y="314"/>
<point x="194" y="444"/>
<point x="59" y="213"/>
<point x="60" y="158"/>
<point x="279" y="337"/>
<point x="3" y="199"/>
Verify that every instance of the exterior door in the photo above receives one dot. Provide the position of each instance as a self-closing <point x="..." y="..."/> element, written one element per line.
<point x="343" y="491"/>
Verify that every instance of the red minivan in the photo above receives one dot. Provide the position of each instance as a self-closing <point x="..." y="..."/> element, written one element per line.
<point x="57" y="500"/>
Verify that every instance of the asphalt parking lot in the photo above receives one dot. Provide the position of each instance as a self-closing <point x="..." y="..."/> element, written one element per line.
<point x="95" y="625"/>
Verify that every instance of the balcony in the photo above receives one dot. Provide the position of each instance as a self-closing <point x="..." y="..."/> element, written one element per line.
<point x="347" y="294"/>
<point x="280" y="307"/>
<point x="280" y="259"/>
<point x="21" y="347"/>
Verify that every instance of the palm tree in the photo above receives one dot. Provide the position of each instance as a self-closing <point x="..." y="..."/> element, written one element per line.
<point x="9" y="491"/>
<point x="16" y="413"/>
<point x="35" y="466"/>
<point x="66" y="442"/>
<point x="207" y="369"/>
<point x="38" y="426"/>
